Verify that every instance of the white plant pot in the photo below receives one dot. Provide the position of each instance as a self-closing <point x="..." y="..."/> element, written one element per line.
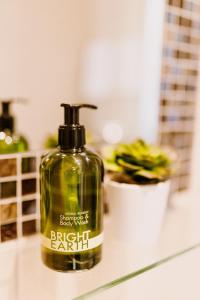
<point x="137" y="211"/>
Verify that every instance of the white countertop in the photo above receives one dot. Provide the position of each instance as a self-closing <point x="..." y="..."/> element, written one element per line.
<point x="24" y="277"/>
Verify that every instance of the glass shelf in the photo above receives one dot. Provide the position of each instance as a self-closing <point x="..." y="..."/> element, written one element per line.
<point x="117" y="282"/>
<point x="123" y="269"/>
<point x="177" y="279"/>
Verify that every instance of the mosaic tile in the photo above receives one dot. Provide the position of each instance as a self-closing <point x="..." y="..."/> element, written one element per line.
<point x="28" y="186"/>
<point x="8" y="167"/>
<point x="8" y="232"/>
<point x="28" y="207"/>
<point x="8" y="189"/>
<point x="28" y="227"/>
<point x="8" y="212"/>
<point x="28" y="165"/>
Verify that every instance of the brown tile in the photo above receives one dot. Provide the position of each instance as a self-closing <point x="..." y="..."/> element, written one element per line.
<point x="28" y="165"/>
<point x="176" y="3"/>
<point x="28" y="186"/>
<point x="29" y="227"/>
<point x="8" y="212"/>
<point x="185" y="22"/>
<point x="8" y="167"/>
<point x="8" y="232"/>
<point x="28" y="207"/>
<point x="8" y="189"/>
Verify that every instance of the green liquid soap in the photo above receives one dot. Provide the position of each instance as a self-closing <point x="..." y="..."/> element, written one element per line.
<point x="71" y="201"/>
<point x="10" y="142"/>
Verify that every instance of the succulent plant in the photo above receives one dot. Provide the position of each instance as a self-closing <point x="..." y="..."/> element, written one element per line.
<point x="138" y="163"/>
<point x="51" y="141"/>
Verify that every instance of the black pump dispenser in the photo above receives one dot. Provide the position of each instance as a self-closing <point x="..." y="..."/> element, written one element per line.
<point x="71" y="135"/>
<point x="6" y="120"/>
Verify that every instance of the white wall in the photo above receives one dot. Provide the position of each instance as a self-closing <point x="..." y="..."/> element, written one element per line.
<point x="40" y="42"/>
<point x="120" y="66"/>
<point x="110" y="63"/>
<point x="93" y="50"/>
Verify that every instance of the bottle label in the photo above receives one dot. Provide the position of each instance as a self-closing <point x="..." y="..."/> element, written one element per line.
<point x="72" y="241"/>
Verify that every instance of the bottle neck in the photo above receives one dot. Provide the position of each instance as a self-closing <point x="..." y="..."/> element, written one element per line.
<point x="71" y="150"/>
<point x="71" y="137"/>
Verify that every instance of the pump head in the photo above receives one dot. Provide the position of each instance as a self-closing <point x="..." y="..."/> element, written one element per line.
<point x="72" y="134"/>
<point x="6" y="120"/>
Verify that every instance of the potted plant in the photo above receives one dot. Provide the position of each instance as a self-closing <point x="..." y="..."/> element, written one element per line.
<point x="137" y="190"/>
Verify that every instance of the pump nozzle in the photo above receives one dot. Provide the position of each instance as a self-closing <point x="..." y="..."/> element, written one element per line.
<point x="72" y="112"/>
<point x="72" y="134"/>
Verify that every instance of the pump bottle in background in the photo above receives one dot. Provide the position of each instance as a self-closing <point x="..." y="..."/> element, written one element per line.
<point x="71" y="204"/>
<point x="10" y="141"/>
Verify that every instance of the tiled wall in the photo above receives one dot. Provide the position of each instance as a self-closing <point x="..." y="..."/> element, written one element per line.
<point x="19" y="195"/>
<point x="179" y="82"/>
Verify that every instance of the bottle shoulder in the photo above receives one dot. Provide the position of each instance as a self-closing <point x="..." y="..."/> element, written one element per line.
<point x="57" y="157"/>
<point x="94" y="155"/>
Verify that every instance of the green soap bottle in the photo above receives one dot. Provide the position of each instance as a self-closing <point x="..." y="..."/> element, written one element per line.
<point x="71" y="203"/>
<point x="10" y="142"/>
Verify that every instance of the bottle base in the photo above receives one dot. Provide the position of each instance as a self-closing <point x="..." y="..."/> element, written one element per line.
<point x="71" y="263"/>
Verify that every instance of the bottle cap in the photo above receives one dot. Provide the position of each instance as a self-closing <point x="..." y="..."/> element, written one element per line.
<point x="72" y="135"/>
